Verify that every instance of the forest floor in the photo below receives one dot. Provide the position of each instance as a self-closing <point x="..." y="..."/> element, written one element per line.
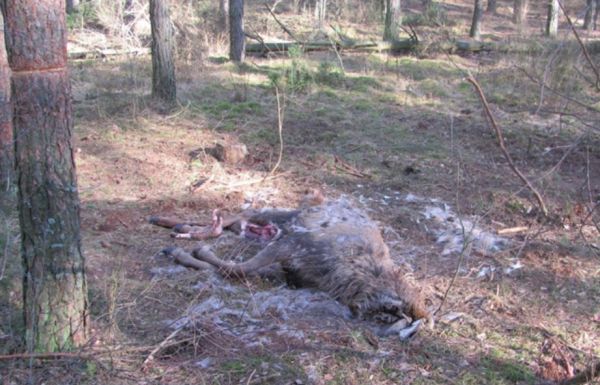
<point x="405" y="137"/>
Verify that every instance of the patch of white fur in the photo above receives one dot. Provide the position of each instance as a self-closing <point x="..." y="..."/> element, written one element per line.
<point x="453" y="232"/>
<point x="281" y="311"/>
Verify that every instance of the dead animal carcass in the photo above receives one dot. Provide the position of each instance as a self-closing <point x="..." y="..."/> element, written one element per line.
<point x="332" y="246"/>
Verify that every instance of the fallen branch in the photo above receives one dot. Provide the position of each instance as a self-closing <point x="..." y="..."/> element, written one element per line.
<point x="47" y="356"/>
<point x="96" y="53"/>
<point x="512" y="230"/>
<point x="248" y="182"/>
<point x="83" y="354"/>
<point x="162" y="345"/>
<point x="325" y="45"/>
<point x="342" y="165"/>
<point x="502" y="145"/>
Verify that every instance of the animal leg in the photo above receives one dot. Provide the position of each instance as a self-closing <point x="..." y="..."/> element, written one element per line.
<point x="185" y="259"/>
<point x="273" y="253"/>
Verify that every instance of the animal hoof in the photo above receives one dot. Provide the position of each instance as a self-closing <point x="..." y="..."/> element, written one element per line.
<point x="409" y="331"/>
<point x="181" y="228"/>
<point x="395" y="328"/>
<point x="168" y="250"/>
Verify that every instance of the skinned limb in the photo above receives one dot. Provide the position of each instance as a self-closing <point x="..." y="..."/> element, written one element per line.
<point x="200" y="233"/>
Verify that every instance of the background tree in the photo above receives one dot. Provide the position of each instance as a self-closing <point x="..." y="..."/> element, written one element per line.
<point x="6" y="143"/>
<point x="237" y="39"/>
<point x="72" y="5"/>
<point x="164" y="86"/>
<point x="393" y="19"/>
<point x="476" y="22"/>
<point x="492" y="6"/>
<point x="591" y="14"/>
<point x="552" y="20"/>
<point x="128" y="14"/>
<point x="320" y="12"/>
<point x="520" y="12"/>
<point x="223" y="15"/>
<point x="54" y="284"/>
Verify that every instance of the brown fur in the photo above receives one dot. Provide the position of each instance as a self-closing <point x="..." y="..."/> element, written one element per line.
<point x="335" y="248"/>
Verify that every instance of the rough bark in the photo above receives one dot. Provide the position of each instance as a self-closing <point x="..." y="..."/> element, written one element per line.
<point x="72" y="6"/>
<point x="520" y="12"/>
<point x="475" y="31"/>
<point x="393" y="19"/>
<point x="6" y="142"/>
<point x="223" y="15"/>
<point x="237" y="39"/>
<point x="164" y="87"/>
<point x="591" y="14"/>
<point x="492" y="6"/>
<point x="54" y="284"/>
<point x="552" y="20"/>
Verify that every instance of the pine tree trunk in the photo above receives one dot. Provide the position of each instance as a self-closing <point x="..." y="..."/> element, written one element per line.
<point x="591" y="14"/>
<point x="72" y="6"/>
<point x="492" y="6"/>
<point x="223" y="15"/>
<point x="164" y="87"/>
<point x="520" y="12"/>
<point x="54" y="284"/>
<point x="393" y="19"/>
<point x="6" y="139"/>
<point x="552" y="21"/>
<point x="475" y="31"/>
<point x="237" y="39"/>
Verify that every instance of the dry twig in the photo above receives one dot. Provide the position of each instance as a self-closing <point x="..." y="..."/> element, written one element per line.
<point x="585" y="51"/>
<point x="286" y="30"/>
<point x="280" y="117"/>
<point x="502" y="145"/>
<point x="162" y="345"/>
<point x="342" y="165"/>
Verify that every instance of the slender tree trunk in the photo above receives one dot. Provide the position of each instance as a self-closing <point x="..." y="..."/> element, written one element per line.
<point x="54" y="283"/>
<point x="128" y="15"/>
<point x="6" y="138"/>
<point x="223" y="15"/>
<point x="596" y="14"/>
<point x="380" y="7"/>
<point x="393" y="19"/>
<point x="520" y="12"/>
<point x="475" y="31"/>
<point x="237" y="39"/>
<point x="321" y="12"/>
<point x="72" y="6"/>
<point x="492" y="6"/>
<point x="552" y="21"/>
<point x="164" y="86"/>
<point x="591" y="14"/>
